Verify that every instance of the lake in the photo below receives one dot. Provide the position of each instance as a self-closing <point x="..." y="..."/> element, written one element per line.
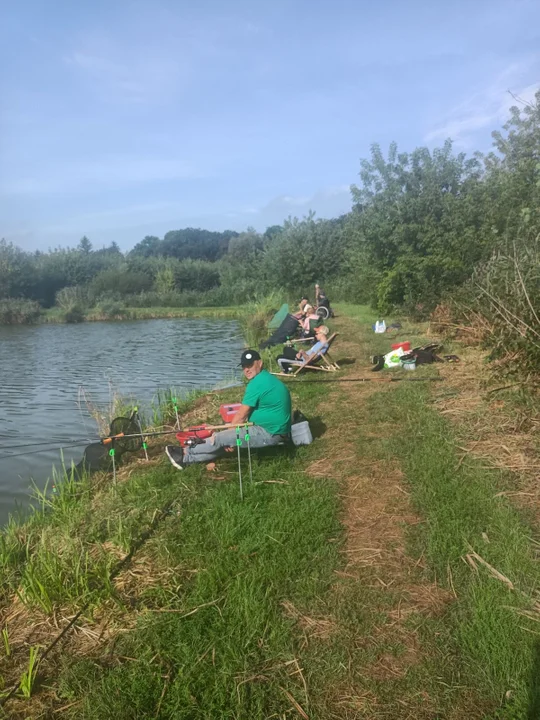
<point x="44" y="367"/>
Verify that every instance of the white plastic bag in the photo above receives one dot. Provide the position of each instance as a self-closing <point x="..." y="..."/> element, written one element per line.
<point x="393" y="358"/>
<point x="380" y="326"/>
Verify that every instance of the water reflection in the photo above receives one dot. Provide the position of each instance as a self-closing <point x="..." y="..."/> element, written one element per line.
<point x="43" y="367"/>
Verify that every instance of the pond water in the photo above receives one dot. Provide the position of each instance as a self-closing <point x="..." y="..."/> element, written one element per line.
<point x="44" y="367"/>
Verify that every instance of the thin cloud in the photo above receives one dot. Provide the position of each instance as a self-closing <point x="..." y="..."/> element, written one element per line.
<point x="111" y="171"/>
<point x="486" y="109"/>
<point x="143" y="80"/>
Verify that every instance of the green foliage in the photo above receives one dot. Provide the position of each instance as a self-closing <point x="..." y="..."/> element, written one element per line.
<point x="75" y="314"/>
<point x="5" y="641"/>
<point x="70" y="297"/>
<point x="119" y="282"/>
<point x="306" y="251"/>
<point x="502" y="299"/>
<point x="192" y="243"/>
<point x="29" y="675"/>
<point x="423" y="221"/>
<point x="18" y="311"/>
<point x="15" y="270"/>
<point x="415" y="223"/>
<point x="112" y="309"/>
<point x="165" y="281"/>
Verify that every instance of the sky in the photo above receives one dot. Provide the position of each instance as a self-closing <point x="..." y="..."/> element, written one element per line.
<point x="131" y="118"/>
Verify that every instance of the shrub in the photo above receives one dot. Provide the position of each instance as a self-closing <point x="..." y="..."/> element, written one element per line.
<point x="120" y="282"/>
<point x="18" y="311"/>
<point x="112" y="309"/>
<point x="74" y="314"/>
<point x="71" y="296"/>
<point x="501" y="304"/>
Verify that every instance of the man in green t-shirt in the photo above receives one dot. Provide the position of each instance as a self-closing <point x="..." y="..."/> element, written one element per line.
<point x="266" y="404"/>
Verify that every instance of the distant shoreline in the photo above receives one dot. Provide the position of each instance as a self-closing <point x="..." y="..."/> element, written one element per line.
<point x="56" y="315"/>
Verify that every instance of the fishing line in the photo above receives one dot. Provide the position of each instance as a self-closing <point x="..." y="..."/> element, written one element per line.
<point x="82" y="393"/>
<point x="51" y="441"/>
<point x="238" y="443"/>
<point x="246" y="437"/>
<point x="36" y="452"/>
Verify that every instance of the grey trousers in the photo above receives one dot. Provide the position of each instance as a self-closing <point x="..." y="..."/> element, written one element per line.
<point x="214" y="447"/>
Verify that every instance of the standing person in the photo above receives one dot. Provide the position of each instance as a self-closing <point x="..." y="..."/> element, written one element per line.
<point x="321" y="300"/>
<point x="266" y="403"/>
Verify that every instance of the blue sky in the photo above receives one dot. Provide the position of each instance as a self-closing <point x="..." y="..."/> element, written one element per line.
<point x="122" y="119"/>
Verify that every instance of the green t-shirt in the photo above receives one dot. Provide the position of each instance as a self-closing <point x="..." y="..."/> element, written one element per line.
<point x="271" y="403"/>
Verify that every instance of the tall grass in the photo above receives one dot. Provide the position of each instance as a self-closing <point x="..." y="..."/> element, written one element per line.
<point x="17" y="311"/>
<point x="500" y="307"/>
<point x="257" y="313"/>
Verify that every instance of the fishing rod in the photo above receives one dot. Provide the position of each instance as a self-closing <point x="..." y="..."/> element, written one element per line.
<point x="110" y="439"/>
<point x="372" y="379"/>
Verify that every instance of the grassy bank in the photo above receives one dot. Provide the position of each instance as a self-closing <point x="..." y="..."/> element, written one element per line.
<point x="208" y="636"/>
<point x="57" y="315"/>
<point x="377" y="573"/>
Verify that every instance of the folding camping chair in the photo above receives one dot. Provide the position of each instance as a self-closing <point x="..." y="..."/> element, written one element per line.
<point x="323" y="357"/>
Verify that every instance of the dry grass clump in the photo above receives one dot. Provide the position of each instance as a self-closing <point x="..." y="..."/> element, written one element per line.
<point x="311" y="627"/>
<point x="495" y="426"/>
<point x="467" y="326"/>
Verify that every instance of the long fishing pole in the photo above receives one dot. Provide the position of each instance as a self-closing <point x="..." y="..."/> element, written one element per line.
<point x="238" y="443"/>
<point x="374" y="379"/>
<point x="107" y="440"/>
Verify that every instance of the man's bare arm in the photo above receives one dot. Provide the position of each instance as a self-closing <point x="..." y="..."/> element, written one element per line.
<point x="241" y="415"/>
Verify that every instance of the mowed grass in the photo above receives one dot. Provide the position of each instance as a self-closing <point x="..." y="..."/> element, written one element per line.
<point x="493" y="624"/>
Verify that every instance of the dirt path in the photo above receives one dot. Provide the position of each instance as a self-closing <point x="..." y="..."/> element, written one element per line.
<point x="381" y="582"/>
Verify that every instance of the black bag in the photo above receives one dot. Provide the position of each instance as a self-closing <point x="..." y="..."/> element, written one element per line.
<point x="287" y="329"/>
<point x="289" y="352"/>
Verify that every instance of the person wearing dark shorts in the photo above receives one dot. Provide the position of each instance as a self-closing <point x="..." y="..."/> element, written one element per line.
<point x="266" y="404"/>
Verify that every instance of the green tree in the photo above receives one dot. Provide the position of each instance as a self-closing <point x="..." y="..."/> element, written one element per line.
<point x="85" y="246"/>
<point x="306" y="251"/>
<point x="165" y="279"/>
<point x="416" y="223"/>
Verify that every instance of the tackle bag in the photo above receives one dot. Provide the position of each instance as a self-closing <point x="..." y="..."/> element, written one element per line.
<point x="287" y="329"/>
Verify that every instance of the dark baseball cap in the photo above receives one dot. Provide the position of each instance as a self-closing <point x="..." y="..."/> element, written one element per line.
<point x="249" y="357"/>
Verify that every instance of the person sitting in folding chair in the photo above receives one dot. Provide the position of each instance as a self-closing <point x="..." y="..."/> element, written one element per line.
<point x="266" y="404"/>
<point x="321" y="345"/>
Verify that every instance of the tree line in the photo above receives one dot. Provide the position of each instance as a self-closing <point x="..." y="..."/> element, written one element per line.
<point x="426" y="226"/>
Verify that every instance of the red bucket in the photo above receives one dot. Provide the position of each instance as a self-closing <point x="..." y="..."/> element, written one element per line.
<point x="200" y="433"/>
<point x="405" y="345"/>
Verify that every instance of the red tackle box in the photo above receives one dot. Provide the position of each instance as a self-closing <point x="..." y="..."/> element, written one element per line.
<point x="227" y="412"/>
<point x="406" y="345"/>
